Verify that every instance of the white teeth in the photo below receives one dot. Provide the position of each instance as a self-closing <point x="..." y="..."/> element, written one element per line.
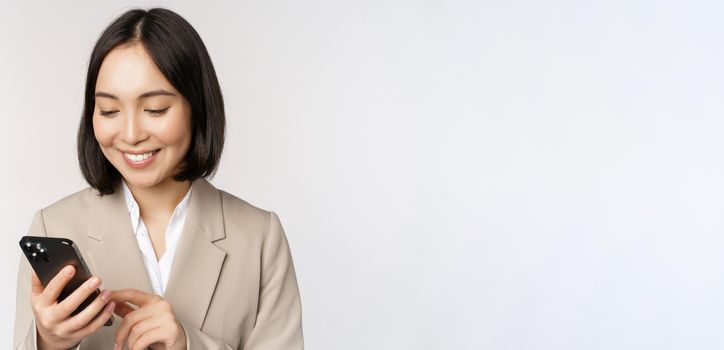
<point x="138" y="157"/>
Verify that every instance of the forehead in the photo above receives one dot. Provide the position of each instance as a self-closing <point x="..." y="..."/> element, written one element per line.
<point x="128" y="70"/>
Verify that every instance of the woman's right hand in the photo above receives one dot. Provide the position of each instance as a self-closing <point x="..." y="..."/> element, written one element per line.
<point x="56" y="328"/>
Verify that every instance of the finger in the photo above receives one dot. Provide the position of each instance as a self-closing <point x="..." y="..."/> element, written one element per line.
<point x="155" y="335"/>
<point x="122" y="309"/>
<point x="98" y="322"/>
<point x="84" y="317"/>
<point x="133" y="296"/>
<point x="128" y="322"/>
<point x="55" y="286"/>
<point x="141" y="328"/>
<point x="37" y="285"/>
<point x="70" y="303"/>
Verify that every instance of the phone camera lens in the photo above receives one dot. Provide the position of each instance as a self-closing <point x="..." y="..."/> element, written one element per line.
<point x="37" y="251"/>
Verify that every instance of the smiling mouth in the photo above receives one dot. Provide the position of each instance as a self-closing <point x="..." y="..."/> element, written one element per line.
<point x="139" y="157"/>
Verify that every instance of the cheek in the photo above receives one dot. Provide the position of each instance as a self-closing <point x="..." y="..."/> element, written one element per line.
<point x="103" y="131"/>
<point x="175" y="132"/>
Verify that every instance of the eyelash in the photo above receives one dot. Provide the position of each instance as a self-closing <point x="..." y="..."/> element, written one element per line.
<point x="156" y="112"/>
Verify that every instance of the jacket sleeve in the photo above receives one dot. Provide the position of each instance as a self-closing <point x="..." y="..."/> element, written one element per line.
<point x="24" y="335"/>
<point x="279" y="317"/>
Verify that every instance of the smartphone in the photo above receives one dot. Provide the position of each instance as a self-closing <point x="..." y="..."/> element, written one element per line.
<point x="49" y="255"/>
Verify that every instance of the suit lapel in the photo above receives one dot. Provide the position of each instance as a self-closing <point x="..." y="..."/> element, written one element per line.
<point x="198" y="261"/>
<point x="197" y="264"/>
<point x="116" y="257"/>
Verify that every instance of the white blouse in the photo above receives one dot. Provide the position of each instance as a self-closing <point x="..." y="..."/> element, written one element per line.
<point x="158" y="270"/>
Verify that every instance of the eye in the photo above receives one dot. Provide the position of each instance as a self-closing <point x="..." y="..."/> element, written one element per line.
<point x="108" y="113"/>
<point x="157" y="111"/>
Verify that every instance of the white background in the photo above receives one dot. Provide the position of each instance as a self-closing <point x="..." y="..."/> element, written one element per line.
<point x="450" y="174"/>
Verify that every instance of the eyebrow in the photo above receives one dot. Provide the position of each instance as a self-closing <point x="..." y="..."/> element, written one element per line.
<point x="159" y="92"/>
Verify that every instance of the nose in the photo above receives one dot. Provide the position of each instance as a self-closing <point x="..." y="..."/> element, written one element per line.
<point x="134" y="131"/>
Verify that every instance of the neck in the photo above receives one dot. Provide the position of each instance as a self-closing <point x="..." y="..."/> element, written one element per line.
<point x="161" y="198"/>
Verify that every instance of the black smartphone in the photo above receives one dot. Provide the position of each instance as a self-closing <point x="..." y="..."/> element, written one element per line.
<point x="49" y="255"/>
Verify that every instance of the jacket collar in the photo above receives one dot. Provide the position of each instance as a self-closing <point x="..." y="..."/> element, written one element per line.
<point x="204" y="212"/>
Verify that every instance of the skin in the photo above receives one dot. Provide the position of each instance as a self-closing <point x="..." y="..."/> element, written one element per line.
<point x="126" y="121"/>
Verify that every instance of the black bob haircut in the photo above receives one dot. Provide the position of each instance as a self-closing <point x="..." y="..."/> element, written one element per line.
<point x="181" y="56"/>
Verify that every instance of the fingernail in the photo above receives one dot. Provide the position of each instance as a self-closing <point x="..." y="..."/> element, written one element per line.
<point x="69" y="270"/>
<point x="116" y="347"/>
<point x="110" y="307"/>
<point x="94" y="282"/>
<point x="106" y="294"/>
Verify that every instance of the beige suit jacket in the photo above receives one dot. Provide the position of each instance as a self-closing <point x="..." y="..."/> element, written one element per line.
<point x="232" y="284"/>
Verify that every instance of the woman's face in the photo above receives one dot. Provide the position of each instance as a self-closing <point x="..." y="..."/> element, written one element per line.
<point x="143" y="125"/>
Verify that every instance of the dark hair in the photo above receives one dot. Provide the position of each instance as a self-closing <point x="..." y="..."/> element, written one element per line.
<point x="181" y="56"/>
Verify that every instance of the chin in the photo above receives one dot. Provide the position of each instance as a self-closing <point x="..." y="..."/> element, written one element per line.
<point x="142" y="180"/>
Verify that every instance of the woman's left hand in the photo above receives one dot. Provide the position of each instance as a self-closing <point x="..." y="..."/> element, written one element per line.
<point x="152" y="324"/>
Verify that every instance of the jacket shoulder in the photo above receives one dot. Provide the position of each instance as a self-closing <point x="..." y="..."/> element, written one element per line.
<point x="68" y="214"/>
<point x="70" y="202"/>
<point x="242" y="216"/>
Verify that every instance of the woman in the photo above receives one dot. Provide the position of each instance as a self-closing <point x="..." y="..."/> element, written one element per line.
<point x="186" y="266"/>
